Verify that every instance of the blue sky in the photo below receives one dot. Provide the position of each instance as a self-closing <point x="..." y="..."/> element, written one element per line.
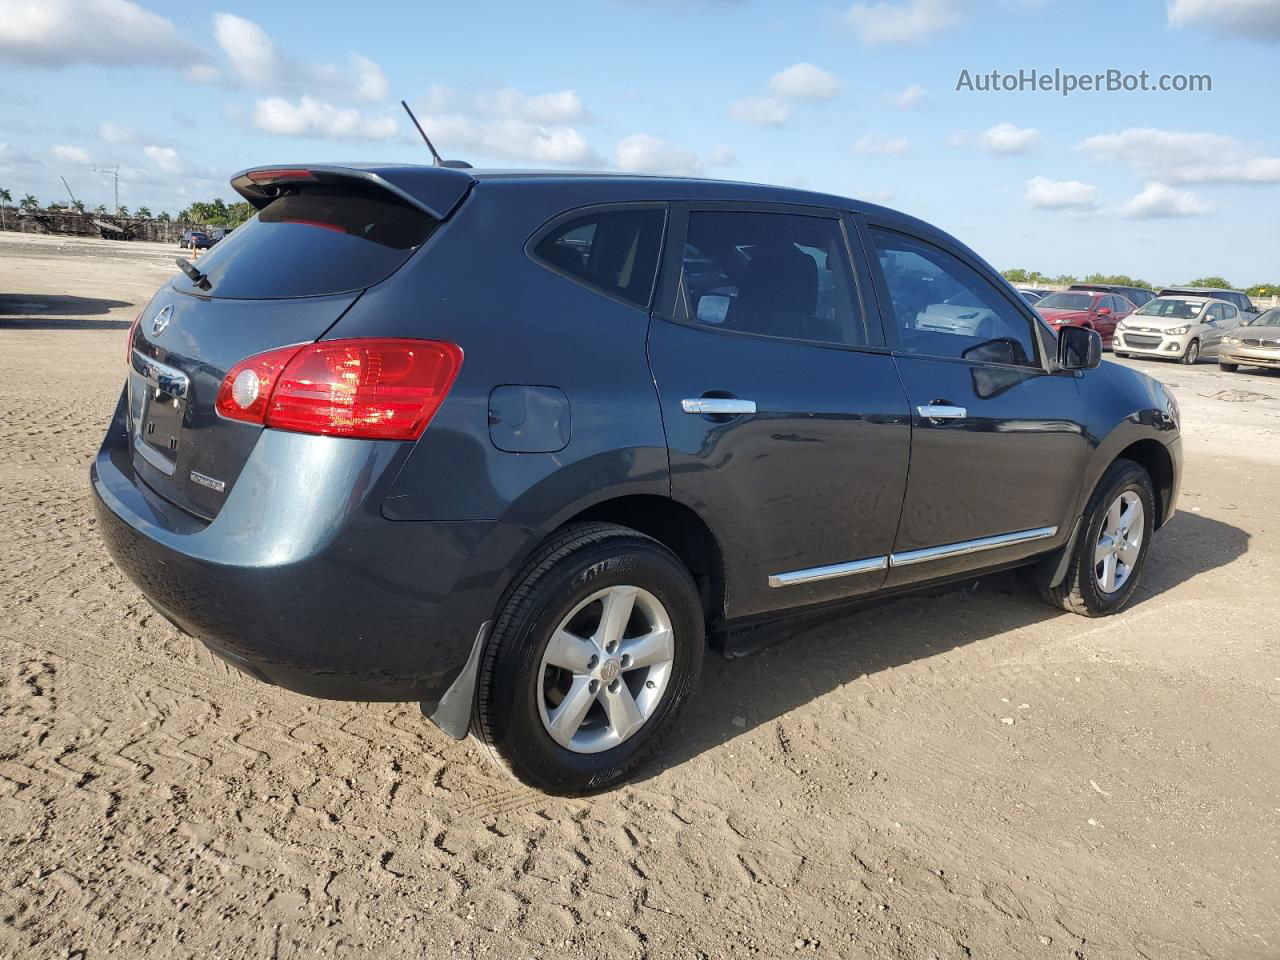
<point x="854" y="98"/>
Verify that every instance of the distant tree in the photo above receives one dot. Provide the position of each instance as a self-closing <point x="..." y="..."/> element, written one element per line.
<point x="1120" y="279"/>
<point x="78" y="206"/>
<point x="1216" y="282"/>
<point x="6" y="198"/>
<point x="122" y="211"/>
<point x="100" y="209"/>
<point x="144" y="213"/>
<point x="1016" y="275"/>
<point x="29" y="202"/>
<point x="216" y="213"/>
<point x="1264" y="290"/>
<point x="1065" y="279"/>
<point x="164" y="216"/>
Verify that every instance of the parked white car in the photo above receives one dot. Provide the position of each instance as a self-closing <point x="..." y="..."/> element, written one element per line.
<point x="1176" y="328"/>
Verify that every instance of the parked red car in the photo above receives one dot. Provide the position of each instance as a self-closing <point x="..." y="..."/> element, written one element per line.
<point x="1080" y="308"/>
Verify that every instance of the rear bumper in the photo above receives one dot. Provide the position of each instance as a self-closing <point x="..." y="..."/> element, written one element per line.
<point x="300" y="581"/>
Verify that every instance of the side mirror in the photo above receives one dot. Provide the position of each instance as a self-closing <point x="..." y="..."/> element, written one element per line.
<point x="1079" y="348"/>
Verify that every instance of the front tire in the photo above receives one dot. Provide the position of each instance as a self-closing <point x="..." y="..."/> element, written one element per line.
<point x="1192" y="353"/>
<point x="594" y="651"/>
<point x="1111" y="549"/>
<point x="1228" y="367"/>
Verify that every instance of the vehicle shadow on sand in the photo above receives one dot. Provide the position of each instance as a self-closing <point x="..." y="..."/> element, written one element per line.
<point x="738" y="695"/>
<point x="39" y="311"/>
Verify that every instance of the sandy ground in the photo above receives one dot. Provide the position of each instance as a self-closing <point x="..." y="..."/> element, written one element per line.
<point x="969" y="775"/>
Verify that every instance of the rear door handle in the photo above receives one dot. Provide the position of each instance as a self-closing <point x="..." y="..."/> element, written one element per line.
<point x="722" y="405"/>
<point x="942" y="411"/>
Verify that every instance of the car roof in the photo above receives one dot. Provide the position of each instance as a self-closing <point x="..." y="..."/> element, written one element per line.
<point x="1205" y="291"/>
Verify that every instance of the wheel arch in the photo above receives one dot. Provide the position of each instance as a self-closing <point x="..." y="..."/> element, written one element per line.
<point x="677" y="527"/>
<point x="1154" y="457"/>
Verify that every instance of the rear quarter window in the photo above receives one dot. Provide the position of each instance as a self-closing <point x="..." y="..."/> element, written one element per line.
<point x="614" y="251"/>
<point x="313" y="243"/>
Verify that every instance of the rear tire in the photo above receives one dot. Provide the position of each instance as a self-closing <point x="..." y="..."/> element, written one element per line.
<point x="527" y="689"/>
<point x="1087" y="589"/>
<point x="1228" y="367"/>
<point x="1192" y="353"/>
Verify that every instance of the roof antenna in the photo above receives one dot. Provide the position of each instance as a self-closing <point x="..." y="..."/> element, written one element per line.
<point x="436" y="159"/>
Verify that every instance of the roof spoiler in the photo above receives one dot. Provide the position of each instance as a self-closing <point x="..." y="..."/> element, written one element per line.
<point x="435" y="190"/>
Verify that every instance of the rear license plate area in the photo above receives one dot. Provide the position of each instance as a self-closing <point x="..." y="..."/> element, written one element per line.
<point x="156" y="422"/>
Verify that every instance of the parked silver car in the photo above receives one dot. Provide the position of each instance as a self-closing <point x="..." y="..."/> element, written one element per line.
<point x="1176" y="328"/>
<point x="1255" y="343"/>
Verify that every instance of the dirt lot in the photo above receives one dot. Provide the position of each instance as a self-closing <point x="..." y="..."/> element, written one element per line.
<point x="970" y="775"/>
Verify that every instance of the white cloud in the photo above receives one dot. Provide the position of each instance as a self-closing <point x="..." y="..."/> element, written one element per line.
<point x="909" y="21"/>
<point x="115" y="133"/>
<point x="1255" y="19"/>
<point x="257" y="63"/>
<point x="1045" y="194"/>
<point x="879" y="145"/>
<point x="908" y="98"/>
<point x="252" y="53"/>
<point x="1160" y="201"/>
<point x="722" y="156"/>
<point x="564" y="106"/>
<point x="371" y="82"/>
<point x="163" y="158"/>
<point x="641" y="153"/>
<point x="762" y="111"/>
<point x="1007" y="138"/>
<point x="1166" y="155"/>
<point x="507" y="125"/>
<point x="68" y="154"/>
<point x="309" y="117"/>
<point x="58" y="33"/>
<point x="804" y="81"/>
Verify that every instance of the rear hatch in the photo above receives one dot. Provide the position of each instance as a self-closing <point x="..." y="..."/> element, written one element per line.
<point x="322" y="235"/>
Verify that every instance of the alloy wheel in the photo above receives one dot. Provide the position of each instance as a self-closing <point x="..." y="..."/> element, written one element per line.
<point x="605" y="669"/>
<point x="1119" y="542"/>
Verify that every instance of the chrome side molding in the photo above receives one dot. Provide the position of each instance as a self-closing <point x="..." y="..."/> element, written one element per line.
<point x="832" y="572"/>
<point x="948" y="550"/>
<point x="907" y="558"/>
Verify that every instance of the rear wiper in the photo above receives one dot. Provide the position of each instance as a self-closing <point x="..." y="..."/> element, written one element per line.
<point x="199" y="279"/>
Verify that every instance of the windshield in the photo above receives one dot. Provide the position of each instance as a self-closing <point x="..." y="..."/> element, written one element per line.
<point x="1269" y="319"/>
<point x="1173" y="309"/>
<point x="1066" y="301"/>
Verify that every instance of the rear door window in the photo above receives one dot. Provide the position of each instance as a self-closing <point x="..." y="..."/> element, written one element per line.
<point x="314" y="242"/>
<point x="771" y="274"/>
<point x="614" y="251"/>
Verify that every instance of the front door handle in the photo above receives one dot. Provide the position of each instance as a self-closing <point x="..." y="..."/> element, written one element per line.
<point x="718" y="405"/>
<point x="942" y="411"/>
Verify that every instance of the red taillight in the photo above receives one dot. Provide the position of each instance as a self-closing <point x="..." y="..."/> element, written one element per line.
<point x="128" y="343"/>
<point x="246" y="389"/>
<point x="377" y="389"/>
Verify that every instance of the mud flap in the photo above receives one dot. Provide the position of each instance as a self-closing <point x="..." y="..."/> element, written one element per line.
<point x="453" y="713"/>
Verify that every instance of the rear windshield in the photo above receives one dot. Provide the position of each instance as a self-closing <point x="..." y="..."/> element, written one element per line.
<point x="1269" y="319"/>
<point x="321" y="241"/>
<point x="1066" y="301"/>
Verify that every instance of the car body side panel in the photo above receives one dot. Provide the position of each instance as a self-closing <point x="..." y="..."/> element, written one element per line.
<point x="518" y="323"/>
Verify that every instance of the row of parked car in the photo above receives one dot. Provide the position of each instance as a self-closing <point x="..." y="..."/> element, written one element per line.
<point x="1177" y="323"/>
<point x="202" y="239"/>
